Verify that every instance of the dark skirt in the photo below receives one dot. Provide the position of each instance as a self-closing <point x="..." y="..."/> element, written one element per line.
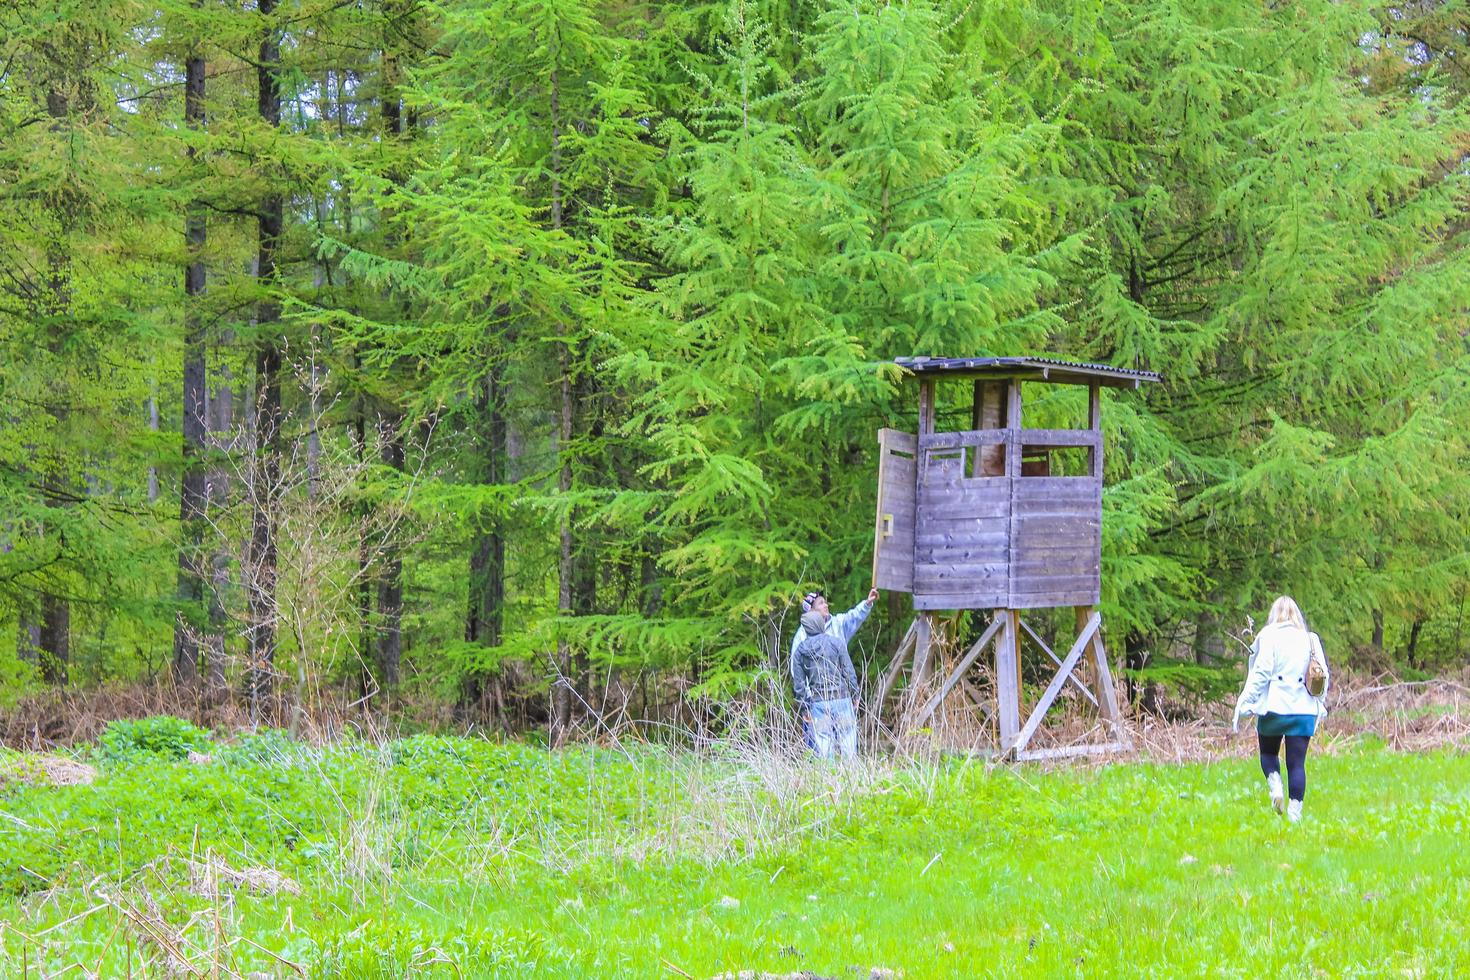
<point x="1272" y="724"/>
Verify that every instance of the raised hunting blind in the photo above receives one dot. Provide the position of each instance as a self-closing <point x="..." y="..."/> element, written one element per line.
<point x="1004" y="518"/>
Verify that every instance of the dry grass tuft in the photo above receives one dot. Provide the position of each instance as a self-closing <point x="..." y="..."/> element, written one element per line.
<point x="209" y="877"/>
<point x="47" y="770"/>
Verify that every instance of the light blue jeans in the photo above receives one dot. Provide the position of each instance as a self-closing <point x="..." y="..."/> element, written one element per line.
<point x="834" y="727"/>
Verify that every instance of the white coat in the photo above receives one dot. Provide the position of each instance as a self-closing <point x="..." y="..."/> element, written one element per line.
<point x="1276" y="681"/>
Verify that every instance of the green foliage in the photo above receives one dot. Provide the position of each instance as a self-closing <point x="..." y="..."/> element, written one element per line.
<point x="617" y="289"/>
<point x="140" y="740"/>
<point x="1191" y="683"/>
<point x="268" y="746"/>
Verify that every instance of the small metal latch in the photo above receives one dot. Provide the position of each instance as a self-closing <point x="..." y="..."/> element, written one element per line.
<point x="888" y="525"/>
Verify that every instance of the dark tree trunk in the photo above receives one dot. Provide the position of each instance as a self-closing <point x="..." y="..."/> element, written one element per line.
<point x="367" y="642"/>
<point x="218" y="493"/>
<point x="389" y="648"/>
<point x="266" y="470"/>
<point x="1135" y="657"/>
<point x="561" y="688"/>
<point x="1412" y="653"/>
<point x="53" y="632"/>
<point x="189" y="624"/>
<point x="1209" y="645"/>
<point x="55" y="637"/>
<point x="561" y="684"/>
<point x="585" y="563"/>
<point x="390" y="582"/>
<point x="1377" y="640"/>
<point x="486" y="622"/>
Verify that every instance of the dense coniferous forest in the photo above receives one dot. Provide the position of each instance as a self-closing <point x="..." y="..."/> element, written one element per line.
<point x="524" y="357"/>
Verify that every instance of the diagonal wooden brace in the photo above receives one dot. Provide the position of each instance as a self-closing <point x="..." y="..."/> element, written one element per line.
<point x="1085" y="640"/>
<point x="974" y="653"/>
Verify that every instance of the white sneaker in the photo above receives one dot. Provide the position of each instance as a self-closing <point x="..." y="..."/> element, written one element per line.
<point x="1273" y="786"/>
<point x="1294" y="810"/>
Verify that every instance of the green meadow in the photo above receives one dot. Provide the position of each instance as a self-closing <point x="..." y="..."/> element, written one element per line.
<point x="445" y="857"/>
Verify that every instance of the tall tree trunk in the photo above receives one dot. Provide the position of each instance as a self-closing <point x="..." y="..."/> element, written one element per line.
<point x="1209" y="644"/>
<point x="390" y="573"/>
<point x="366" y="642"/>
<point x="153" y="426"/>
<point x="584" y="574"/>
<point x="486" y="621"/>
<point x="222" y="423"/>
<point x="268" y="419"/>
<point x="53" y="632"/>
<point x="1377" y="640"/>
<point x="561" y="686"/>
<point x="188" y="623"/>
<point x="390" y="581"/>
<point x="55" y="638"/>
<point x="561" y="689"/>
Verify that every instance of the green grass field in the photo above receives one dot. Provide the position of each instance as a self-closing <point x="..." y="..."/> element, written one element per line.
<point x="457" y="858"/>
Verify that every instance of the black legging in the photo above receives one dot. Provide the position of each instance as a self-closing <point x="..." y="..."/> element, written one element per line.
<point x="1296" y="761"/>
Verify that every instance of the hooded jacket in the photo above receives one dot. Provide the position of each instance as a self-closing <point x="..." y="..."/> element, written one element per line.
<point x="821" y="669"/>
<point x="842" y="625"/>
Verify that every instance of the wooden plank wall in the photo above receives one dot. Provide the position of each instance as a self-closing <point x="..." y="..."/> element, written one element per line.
<point x="962" y="542"/>
<point x="987" y="537"/>
<point x="1056" y="541"/>
<point x="1007" y="541"/>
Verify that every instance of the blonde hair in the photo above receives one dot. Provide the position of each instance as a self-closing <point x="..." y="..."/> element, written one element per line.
<point x="1285" y="610"/>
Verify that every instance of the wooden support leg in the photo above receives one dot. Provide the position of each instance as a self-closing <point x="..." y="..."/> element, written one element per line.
<point x="1105" y="692"/>
<point x="1087" y="668"/>
<point x="1014" y="628"/>
<point x="923" y="649"/>
<point x="1008" y="679"/>
<point x="955" y="675"/>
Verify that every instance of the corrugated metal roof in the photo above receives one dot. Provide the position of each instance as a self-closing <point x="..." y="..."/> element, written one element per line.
<point x="1044" y="369"/>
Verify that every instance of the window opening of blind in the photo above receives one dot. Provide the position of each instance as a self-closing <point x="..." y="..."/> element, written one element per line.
<point x="1056" y="461"/>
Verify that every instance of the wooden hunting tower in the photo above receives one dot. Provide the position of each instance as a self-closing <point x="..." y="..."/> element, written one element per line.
<point x="998" y="517"/>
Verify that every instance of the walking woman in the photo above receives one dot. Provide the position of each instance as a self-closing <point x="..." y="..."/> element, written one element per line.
<point x="1276" y="691"/>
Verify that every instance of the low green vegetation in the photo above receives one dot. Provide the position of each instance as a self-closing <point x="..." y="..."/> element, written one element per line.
<point x="432" y="856"/>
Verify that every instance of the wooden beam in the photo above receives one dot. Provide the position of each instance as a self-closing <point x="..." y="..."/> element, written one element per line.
<point x="1007" y="683"/>
<point x="1078" y="648"/>
<point x="989" y="436"/>
<point x="1094" y="422"/>
<point x="959" y="671"/>
<point x="1014" y="628"/>
<point x="1067" y="751"/>
<point x="1062" y="438"/>
<point x="1089" y="666"/>
<point x="923" y="648"/>
<point x="1105" y="690"/>
<point x="926" y="407"/>
<point x="1058" y="661"/>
